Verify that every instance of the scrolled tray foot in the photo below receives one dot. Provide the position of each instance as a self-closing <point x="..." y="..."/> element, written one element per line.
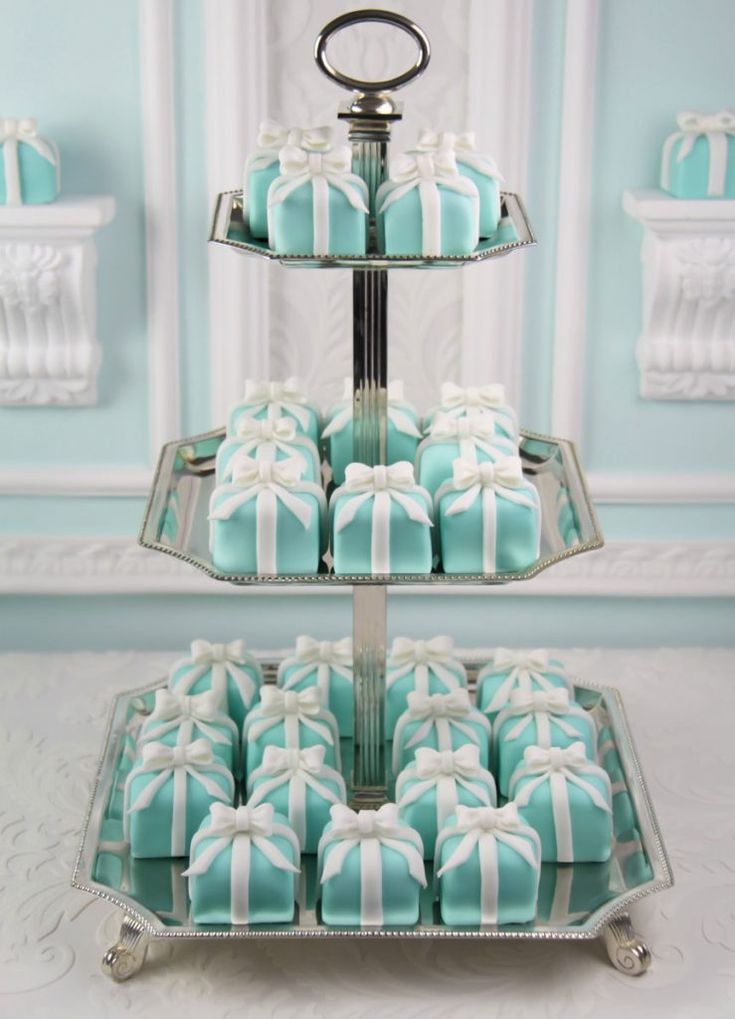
<point x="125" y="958"/>
<point x="626" y="949"/>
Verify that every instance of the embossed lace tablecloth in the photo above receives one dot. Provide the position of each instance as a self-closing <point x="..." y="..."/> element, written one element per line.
<point x="681" y="706"/>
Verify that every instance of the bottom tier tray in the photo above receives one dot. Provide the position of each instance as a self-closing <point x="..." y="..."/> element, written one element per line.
<point x="576" y="901"/>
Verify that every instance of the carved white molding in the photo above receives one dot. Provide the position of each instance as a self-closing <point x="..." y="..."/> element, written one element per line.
<point x="116" y="566"/>
<point x="686" y="350"/>
<point x="49" y="352"/>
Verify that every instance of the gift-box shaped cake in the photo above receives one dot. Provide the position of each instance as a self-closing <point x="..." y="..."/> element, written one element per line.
<point x="29" y="164"/>
<point x="327" y="665"/>
<point x="567" y="799"/>
<point x="426" y="208"/>
<point x="467" y="401"/>
<point x="267" y="520"/>
<point x="488" y="517"/>
<point x="698" y="160"/>
<point x="475" y="438"/>
<point x="489" y="865"/>
<point x="442" y="722"/>
<point x="538" y="719"/>
<point x="273" y="400"/>
<point x="431" y="787"/>
<point x="291" y="720"/>
<point x="480" y="169"/>
<point x="227" y="669"/>
<point x="268" y="439"/>
<point x="371" y="869"/>
<point x="299" y="785"/>
<point x="421" y="666"/>
<point x="243" y="867"/>
<point x="402" y="438"/>
<point x="168" y="793"/>
<point x="527" y="671"/>
<point x="262" y="166"/>
<point x="381" y="521"/>
<point x="568" y="893"/>
<point x="178" y="719"/>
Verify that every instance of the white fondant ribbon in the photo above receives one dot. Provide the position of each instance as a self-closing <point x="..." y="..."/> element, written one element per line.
<point x="13" y="133"/>
<point x="225" y="661"/>
<point x="172" y="709"/>
<point x="475" y="431"/>
<point x="500" y="479"/>
<point x="275" y="397"/>
<point x="484" y="828"/>
<point x="459" y="401"/>
<point x="544" y="710"/>
<point x="327" y="657"/>
<point x="300" y="770"/>
<point x="715" y="127"/>
<point x="464" y="147"/>
<point x="371" y="830"/>
<point x="272" y="137"/>
<point x="444" y="771"/>
<point x="441" y="712"/>
<point x="193" y="760"/>
<point x="524" y="668"/>
<point x="293" y="710"/>
<point x="242" y="828"/>
<point x="558" y="767"/>
<point x="422" y="657"/>
<point x="322" y="170"/>
<point x="268" y="435"/>
<point x="398" y="415"/>
<point x="382" y="486"/>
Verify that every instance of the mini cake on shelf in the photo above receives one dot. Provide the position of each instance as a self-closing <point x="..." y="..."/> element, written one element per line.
<point x="480" y="169"/>
<point x="227" y="669"/>
<point x="489" y="865"/>
<point x="268" y="439"/>
<point x="243" y="867"/>
<point x="262" y="166"/>
<point x="291" y="720"/>
<point x="426" y="208"/>
<point x="489" y="518"/>
<point x="273" y="400"/>
<point x="442" y="721"/>
<point x="317" y="205"/>
<point x="300" y="786"/>
<point x="29" y="164"/>
<point x="267" y="521"/>
<point x="381" y="521"/>
<point x="177" y="719"/>
<point x="475" y="438"/>
<point x="402" y="438"/>
<point x="327" y="665"/>
<point x="538" y="719"/>
<point x="423" y="666"/>
<point x="429" y="789"/>
<point x="527" y="671"/>
<point x="567" y="800"/>
<point x="168" y="793"/>
<point x="698" y="160"/>
<point x="371" y="869"/>
<point x="467" y="401"/>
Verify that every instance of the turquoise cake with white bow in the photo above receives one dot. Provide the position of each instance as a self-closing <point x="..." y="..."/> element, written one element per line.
<point x="273" y="400"/>
<point x="698" y="160"/>
<point x="301" y="786"/>
<point x="527" y="671"/>
<point x="467" y="401"/>
<point x="29" y="164"/>
<point x="243" y="867"/>
<point x="371" y="869"/>
<point x="488" y="518"/>
<point x="567" y="799"/>
<point x="228" y="669"/>
<point x="290" y="720"/>
<point x="432" y="786"/>
<point x="477" y="437"/>
<point x="421" y="666"/>
<point x="327" y="665"/>
<point x="488" y="868"/>
<point x="267" y="439"/>
<point x="442" y="721"/>
<point x="168" y="793"/>
<point x="178" y="719"/>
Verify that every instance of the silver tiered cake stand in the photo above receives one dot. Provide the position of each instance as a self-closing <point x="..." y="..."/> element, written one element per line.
<point x="176" y="523"/>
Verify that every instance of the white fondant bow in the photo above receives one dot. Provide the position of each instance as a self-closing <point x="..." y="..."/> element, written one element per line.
<point x="442" y="712"/>
<point x="459" y="401"/>
<point x="422" y="657"/>
<point x="397" y="414"/>
<point x="464" y="147"/>
<point x="444" y="771"/>
<point x="525" y="669"/>
<point x="277" y="397"/>
<point x="543" y="708"/>
<point x="272" y="135"/>
<point x="715" y="127"/>
<point x="326" y="656"/>
<point x="12" y="132"/>
<point x="171" y="709"/>
<point x="226" y="661"/>
<point x="266" y="434"/>
<point x="292" y="709"/>
<point x="474" y="431"/>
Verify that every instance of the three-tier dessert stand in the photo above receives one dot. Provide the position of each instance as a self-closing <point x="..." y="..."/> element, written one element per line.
<point x="176" y="523"/>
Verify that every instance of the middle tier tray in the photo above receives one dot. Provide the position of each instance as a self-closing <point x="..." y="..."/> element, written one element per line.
<point x="176" y="517"/>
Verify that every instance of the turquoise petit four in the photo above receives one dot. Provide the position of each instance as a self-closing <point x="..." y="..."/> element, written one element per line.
<point x="267" y="521"/>
<point x="327" y="665"/>
<point x="528" y="671"/>
<point x="381" y="521"/>
<point x="29" y="164"/>
<point x="421" y="666"/>
<point x="567" y="800"/>
<point x="300" y="786"/>
<point x="177" y="719"/>
<point x="268" y="439"/>
<point x="243" y="867"/>
<point x="168" y="793"/>
<point x="489" y="865"/>
<point x="488" y="517"/>
<point x="273" y="400"/>
<point x="317" y="205"/>
<point x="568" y="893"/>
<point x="227" y="669"/>
<point x="538" y="719"/>
<point x="292" y="720"/>
<point x="371" y="869"/>
<point x="442" y="721"/>
<point x="698" y="160"/>
<point x="479" y="168"/>
<point x="467" y="401"/>
<point x="402" y="438"/>
<point x="426" y="208"/>
<point x="474" y="438"/>
<point x="431" y="787"/>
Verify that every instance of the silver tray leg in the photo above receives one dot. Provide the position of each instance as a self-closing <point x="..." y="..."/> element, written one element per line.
<point x="125" y="958"/>
<point x="627" y="950"/>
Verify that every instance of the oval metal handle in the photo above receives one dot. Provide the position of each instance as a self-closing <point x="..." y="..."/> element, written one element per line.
<point x="386" y="18"/>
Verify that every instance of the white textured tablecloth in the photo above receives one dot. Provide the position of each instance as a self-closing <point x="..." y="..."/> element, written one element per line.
<point x="681" y="706"/>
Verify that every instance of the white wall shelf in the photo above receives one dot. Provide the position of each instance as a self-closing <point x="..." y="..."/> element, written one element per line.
<point x="686" y="350"/>
<point x="48" y="280"/>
